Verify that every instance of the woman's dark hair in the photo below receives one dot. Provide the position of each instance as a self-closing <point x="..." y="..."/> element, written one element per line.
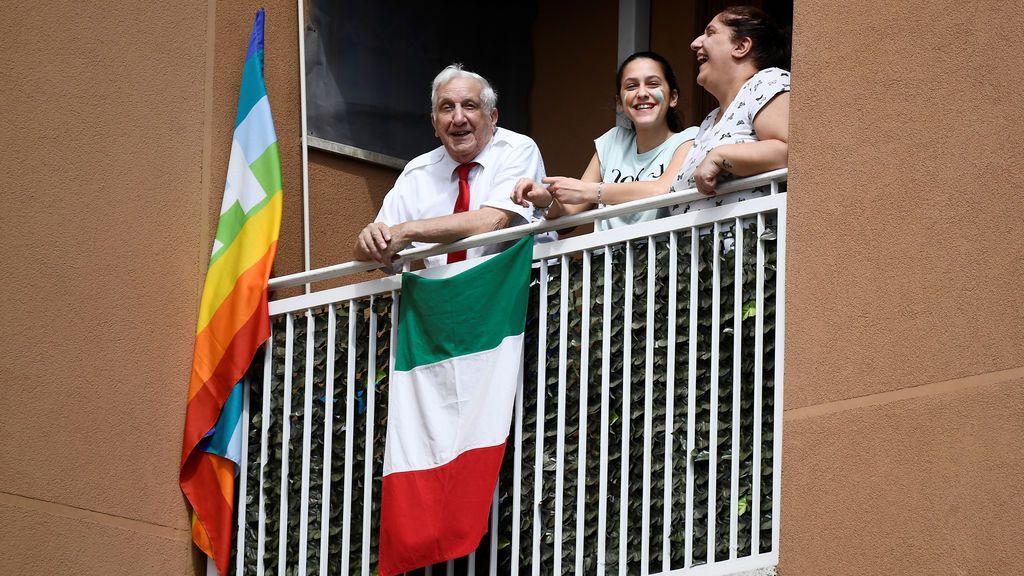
<point x="675" y="123"/>
<point x="770" y="45"/>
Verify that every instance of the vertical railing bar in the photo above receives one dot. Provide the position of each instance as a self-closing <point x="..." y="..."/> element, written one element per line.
<point x="371" y="404"/>
<point x="243" y="475"/>
<point x="325" y="483"/>
<point x="265" y="416"/>
<point x="716" y="317"/>
<point x="307" y="443"/>
<point x="493" y="554"/>
<point x="691" y="404"/>
<point x="670" y="378"/>
<point x="282" y="543"/>
<point x="627" y="360"/>
<point x="606" y="347"/>
<point x="755" y="510"/>
<point x="428" y="571"/>
<point x="392" y="350"/>
<point x="563" y="360"/>
<point x="350" y="401"/>
<point x="645" y="513"/>
<point x="737" y="384"/>
<point x="517" y="472"/>
<point x="449" y="568"/>
<point x="780" y="337"/>
<point x="538" y="468"/>
<point x="471" y="563"/>
<point x="581" y="459"/>
<point x="774" y="187"/>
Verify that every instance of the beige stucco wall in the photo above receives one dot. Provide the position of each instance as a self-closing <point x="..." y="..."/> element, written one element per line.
<point x="117" y="121"/>
<point x="905" y="334"/>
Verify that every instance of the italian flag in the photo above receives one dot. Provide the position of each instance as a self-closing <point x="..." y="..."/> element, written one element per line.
<point x="458" y="363"/>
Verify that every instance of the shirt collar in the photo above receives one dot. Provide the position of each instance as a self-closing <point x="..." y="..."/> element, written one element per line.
<point x="485" y="158"/>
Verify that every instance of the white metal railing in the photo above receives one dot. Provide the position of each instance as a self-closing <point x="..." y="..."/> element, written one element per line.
<point x="647" y="432"/>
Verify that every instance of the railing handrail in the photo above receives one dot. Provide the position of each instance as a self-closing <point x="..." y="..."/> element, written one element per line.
<point x="517" y="232"/>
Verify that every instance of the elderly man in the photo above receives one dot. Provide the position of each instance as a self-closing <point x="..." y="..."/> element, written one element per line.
<point x="461" y="188"/>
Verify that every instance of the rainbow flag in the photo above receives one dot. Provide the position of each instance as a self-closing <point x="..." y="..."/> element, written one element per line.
<point x="233" y="317"/>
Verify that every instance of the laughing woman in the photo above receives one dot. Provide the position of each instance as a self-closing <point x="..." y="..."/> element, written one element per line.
<point x="628" y="164"/>
<point x="741" y="56"/>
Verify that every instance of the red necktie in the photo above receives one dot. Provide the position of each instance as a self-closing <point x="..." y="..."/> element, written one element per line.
<point x="461" y="204"/>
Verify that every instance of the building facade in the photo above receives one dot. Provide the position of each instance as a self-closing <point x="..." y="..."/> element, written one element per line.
<point x="904" y="334"/>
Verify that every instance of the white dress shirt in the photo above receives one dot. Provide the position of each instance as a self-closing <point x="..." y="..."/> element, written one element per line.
<point x="428" y="187"/>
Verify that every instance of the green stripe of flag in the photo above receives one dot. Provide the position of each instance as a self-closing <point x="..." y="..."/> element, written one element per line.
<point x="470" y="312"/>
<point x="267" y="171"/>
<point x="232" y="222"/>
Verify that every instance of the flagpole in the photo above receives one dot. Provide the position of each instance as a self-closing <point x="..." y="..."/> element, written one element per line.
<point x="305" y="144"/>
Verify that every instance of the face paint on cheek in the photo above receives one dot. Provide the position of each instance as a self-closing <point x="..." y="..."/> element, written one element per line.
<point x="659" y="96"/>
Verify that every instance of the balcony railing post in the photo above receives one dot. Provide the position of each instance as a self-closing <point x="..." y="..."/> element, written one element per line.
<point x="627" y="414"/>
<point x="737" y="385"/>
<point x="691" y="402"/>
<point x="716" y="315"/>
<point x="670" y="376"/>
<point x="538" y="464"/>
<point x="325" y="482"/>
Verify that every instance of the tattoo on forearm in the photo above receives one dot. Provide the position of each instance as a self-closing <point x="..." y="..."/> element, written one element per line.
<point x="726" y="165"/>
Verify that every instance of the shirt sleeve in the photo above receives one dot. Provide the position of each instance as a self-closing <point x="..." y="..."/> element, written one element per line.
<point x="606" y="145"/>
<point x="521" y="161"/>
<point x="392" y="209"/>
<point x="767" y="84"/>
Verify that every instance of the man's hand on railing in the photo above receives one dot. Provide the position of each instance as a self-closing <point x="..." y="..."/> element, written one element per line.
<point x="378" y="242"/>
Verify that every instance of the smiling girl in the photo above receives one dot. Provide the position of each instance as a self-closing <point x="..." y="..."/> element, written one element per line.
<point x="628" y="163"/>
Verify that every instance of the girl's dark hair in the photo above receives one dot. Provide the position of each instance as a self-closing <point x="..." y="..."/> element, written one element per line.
<point x="675" y="123"/>
<point x="770" y="43"/>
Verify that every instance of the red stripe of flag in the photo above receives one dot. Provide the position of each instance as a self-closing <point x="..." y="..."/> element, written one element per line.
<point x="434" y="515"/>
<point x="199" y="473"/>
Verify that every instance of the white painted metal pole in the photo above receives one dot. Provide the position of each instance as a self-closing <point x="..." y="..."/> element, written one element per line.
<point x="493" y="555"/>
<point x="670" y="393"/>
<point x="286" y="409"/>
<point x="780" y="331"/>
<point x="645" y="511"/>
<point x="691" y="403"/>
<point x="325" y="479"/>
<point x="581" y="458"/>
<point x="716" y="316"/>
<point x="755" y="511"/>
<point x="265" y="416"/>
<point x="517" y="472"/>
<point x="737" y="385"/>
<point x="243" y="476"/>
<point x="307" y="442"/>
<point x="371" y="403"/>
<point x="627" y="361"/>
<point x="538" y="462"/>
<point x="305" y="144"/>
<point x="350" y="401"/>
<point x="563" y="361"/>
<point x="606" y="352"/>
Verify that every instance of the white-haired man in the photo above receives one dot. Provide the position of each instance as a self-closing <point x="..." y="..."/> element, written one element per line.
<point x="461" y="188"/>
